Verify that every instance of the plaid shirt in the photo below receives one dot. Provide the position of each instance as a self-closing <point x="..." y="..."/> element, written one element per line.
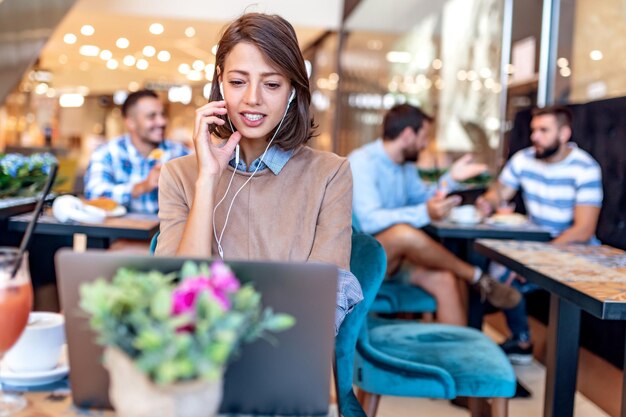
<point x="117" y="166"/>
<point x="349" y="292"/>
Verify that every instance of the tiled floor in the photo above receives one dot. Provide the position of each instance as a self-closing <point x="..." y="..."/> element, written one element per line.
<point x="532" y="377"/>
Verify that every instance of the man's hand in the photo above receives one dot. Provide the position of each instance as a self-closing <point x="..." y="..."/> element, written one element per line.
<point x="150" y="183"/>
<point x="463" y="168"/>
<point x="439" y="205"/>
<point x="484" y="207"/>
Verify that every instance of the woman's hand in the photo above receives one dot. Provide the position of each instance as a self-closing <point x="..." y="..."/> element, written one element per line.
<point x="212" y="158"/>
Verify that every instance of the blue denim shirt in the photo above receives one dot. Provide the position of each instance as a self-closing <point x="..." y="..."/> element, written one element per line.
<point x="387" y="193"/>
<point x="349" y="291"/>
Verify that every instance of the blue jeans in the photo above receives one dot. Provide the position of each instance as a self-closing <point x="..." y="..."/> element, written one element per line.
<point x="516" y="317"/>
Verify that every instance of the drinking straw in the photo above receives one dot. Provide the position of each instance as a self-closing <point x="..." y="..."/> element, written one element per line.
<point x="33" y="221"/>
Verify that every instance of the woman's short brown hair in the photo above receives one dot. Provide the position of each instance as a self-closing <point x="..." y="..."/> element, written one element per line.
<point x="277" y="41"/>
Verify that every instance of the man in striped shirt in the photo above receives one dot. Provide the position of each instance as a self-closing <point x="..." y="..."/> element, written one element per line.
<point x="562" y="190"/>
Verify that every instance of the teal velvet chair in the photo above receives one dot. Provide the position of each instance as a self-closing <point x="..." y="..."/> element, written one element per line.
<point x="412" y="359"/>
<point x="394" y="296"/>
<point x="154" y="241"/>
<point x="368" y="263"/>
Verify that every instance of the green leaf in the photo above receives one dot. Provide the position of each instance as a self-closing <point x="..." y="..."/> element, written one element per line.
<point x="161" y="304"/>
<point x="280" y="322"/>
<point x="189" y="270"/>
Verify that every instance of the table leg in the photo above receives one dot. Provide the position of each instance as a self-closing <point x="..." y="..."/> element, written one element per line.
<point x="562" y="357"/>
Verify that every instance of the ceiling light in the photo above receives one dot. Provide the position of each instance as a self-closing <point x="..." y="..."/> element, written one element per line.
<point x="156" y="28"/>
<point x="87" y="30"/>
<point x="194" y="76"/>
<point x="163" y="56"/>
<point x="71" y="100"/>
<point x="184" y="69"/>
<point x="190" y="32"/>
<point x="437" y="64"/>
<point x="51" y="92"/>
<point x="149" y="50"/>
<point x="62" y="59"/>
<point x="214" y="50"/>
<point x="596" y="55"/>
<point x="41" y="89"/>
<point x="562" y="62"/>
<point x="119" y="97"/>
<point x="142" y="64"/>
<point x="198" y="65"/>
<point x="565" y="72"/>
<point x="122" y="43"/>
<point x="129" y="60"/>
<point x="485" y="72"/>
<point x="69" y="38"/>
<point x="133" y="86"/>
<point x="89" y="50"/>
<point x="112" y="64"/>
<point x="106" y="54"/>
<point x="181" y="94"/>
<point x="399" y="57"/>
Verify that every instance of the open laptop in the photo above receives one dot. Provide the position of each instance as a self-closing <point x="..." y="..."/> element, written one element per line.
<point x="291" y="378"/>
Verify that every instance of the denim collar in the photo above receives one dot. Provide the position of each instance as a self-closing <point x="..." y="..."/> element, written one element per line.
<point x="275" y="159"/>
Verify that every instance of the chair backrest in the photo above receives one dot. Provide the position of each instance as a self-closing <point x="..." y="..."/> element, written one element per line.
<point x="154" y="241"/>
<point x="368" y="263"/>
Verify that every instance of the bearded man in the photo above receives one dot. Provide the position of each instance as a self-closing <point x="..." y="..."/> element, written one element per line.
<point x="561" y="186"/>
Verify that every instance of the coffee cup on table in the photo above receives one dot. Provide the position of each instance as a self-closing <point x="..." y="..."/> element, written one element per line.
<point x="467" y="214"/>
<point x="39" y="347"/>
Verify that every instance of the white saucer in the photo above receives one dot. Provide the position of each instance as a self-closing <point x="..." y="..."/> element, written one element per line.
<point x="466" y="222"/>
<point x="29" y="379"/>
<point x="117" y="212"/>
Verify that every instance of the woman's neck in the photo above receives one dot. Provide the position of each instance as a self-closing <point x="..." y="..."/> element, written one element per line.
<point x="251" y="149"/>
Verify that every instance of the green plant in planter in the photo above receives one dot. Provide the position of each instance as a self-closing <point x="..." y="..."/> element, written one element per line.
<point x="23" y="176"/>
<point x="180" y="326"/>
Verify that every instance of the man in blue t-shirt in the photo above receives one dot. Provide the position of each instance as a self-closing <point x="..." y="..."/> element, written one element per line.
<point x="392" y="203"/>
<point x="562" y="190"/>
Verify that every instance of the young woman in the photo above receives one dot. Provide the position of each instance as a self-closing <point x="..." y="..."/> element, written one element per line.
<point x="253" y="190"/>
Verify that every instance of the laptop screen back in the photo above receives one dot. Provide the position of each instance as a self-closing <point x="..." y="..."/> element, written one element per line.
<point x="290" y="377"/>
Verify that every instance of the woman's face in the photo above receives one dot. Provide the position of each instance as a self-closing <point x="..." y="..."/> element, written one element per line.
<point x="256" y="93"/>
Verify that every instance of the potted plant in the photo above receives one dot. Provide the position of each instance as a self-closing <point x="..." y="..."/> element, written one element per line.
<point x="168" y="337"/>
<point x="24" y="176"/>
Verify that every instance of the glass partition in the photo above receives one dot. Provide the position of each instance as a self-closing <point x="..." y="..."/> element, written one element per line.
<point x="442" y="56"/>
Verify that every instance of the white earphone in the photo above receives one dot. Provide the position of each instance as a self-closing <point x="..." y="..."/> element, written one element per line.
<point x="219" y="239"/>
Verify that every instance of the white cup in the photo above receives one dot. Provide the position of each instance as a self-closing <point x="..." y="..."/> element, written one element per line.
<point x="464" y="214"/>
<point x="39" y="347"/>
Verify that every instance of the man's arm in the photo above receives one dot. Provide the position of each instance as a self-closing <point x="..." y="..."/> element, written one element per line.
<point x="495" y="195"/>
<point x="368" y="207"/>
<point x="584" y="227"/>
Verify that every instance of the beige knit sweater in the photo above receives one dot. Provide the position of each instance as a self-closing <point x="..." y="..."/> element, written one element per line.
<point x="301" y="214"/>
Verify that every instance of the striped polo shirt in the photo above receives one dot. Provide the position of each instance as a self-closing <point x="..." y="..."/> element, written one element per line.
<point x="551" y="190"/>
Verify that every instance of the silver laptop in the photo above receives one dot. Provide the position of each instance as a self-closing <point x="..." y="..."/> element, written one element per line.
<point x="291" y="378"/>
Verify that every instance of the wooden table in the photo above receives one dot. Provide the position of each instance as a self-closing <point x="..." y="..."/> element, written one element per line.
<point x="130" y="226"/>
<point x="578" y="277"/>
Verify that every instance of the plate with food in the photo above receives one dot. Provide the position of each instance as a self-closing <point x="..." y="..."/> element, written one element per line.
<point x="507" y="219"/>
<point x="158" y="154"/>
<point x="111" y="207"/>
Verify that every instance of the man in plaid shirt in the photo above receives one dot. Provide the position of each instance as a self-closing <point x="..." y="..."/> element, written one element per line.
<point x="127" y="169"/>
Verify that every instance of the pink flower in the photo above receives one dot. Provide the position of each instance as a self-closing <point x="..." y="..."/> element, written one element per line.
<point x="222" y="278"/>
<point x="220" y="284"/>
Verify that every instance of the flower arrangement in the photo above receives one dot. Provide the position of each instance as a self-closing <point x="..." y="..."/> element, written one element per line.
<point x="182" y="326"/>
<point x="23" y="176"/>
